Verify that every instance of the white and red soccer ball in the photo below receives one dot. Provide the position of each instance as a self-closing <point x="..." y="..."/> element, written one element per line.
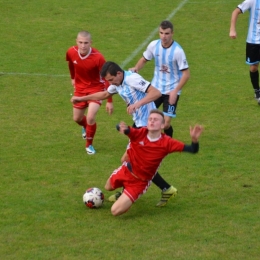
<point x="93" y="198"/>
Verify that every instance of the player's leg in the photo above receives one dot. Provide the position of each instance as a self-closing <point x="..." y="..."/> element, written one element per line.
<point x="122" y="205"/>
<point x="79" y="115"/>
<point x="168" y="191"/>
<point x="252" y="59"/>
<point x="134" y="188"/>
<point x="115" y="196"/>
<point x="169" y="113"/>
<point x="93" y="108"/>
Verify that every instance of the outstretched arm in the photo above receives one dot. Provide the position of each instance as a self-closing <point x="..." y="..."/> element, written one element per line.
<point x="96" y="96"/>
<point x="234" y="16"/>
<point x="195" y="133"/>
<point x="123" y="128"/>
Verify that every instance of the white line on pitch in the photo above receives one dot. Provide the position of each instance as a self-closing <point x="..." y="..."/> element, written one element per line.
<point x="31" y="74"/>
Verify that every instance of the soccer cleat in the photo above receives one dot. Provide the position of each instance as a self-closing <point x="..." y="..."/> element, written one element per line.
<point x="114" y="197"/>
<point x="90" y="150"/>
<point x="84" y="134"/>
<point x="257" y="96"/>
<point x="166" y="195"/>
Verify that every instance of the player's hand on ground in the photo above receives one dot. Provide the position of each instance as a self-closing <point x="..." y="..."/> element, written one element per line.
<point x="195" y="132"/>
<point x="109" y="108"/>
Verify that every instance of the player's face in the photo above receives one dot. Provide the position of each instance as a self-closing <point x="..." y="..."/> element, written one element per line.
<point x="155" y="122"/>
<point x="84" y="44"/>
<point x="115" y="80"/>
<point x="166" y="36"/>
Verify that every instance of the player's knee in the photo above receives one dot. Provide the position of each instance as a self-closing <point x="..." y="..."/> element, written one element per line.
<point x="77" y="119"/>
<point x="116" y="211"/>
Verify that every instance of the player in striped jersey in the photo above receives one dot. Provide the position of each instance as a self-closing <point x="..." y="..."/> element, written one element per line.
<point x="139" y="95"/>
<point x="252" y="41"/>
<point x="171" y="71"/>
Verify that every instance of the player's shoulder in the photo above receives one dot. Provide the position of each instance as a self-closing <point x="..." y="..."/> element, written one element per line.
<point x="154" y="43"/>
<point x="95" y="51"/>
<point x="131" y="77"/>
<point x="73" y="49"/>
<point x="140" y="132"/>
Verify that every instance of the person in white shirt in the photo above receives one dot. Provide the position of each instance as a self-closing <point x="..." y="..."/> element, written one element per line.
<point x="252" y="41"/>
<point x="171" y="71"/>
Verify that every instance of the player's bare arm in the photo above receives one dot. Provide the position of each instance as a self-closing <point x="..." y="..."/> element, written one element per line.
<point x="109" y="108"/>
<point x="234" y="16"/>
<point x="173" y="94"/>
<point x="152" y="94"/>
<point x="139" y="65"/>
<point x="195" y="133"/>
<point x="97" y="96"/>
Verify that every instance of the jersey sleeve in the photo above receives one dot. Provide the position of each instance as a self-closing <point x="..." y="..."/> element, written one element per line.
<point x="112" y="89"/>
<point x="181" y="59"/>
<point x="136" y="81"/>
<point x="246" y="5"/>
<point x="70" y="65"/>
<point x="174" y="145"/>
<point x="148" y="53"/>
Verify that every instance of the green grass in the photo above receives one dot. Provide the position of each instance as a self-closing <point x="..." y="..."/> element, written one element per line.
<point x="45" y="169"/>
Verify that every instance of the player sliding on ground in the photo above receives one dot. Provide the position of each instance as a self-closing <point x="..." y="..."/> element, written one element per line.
<point x="146" y="150"/>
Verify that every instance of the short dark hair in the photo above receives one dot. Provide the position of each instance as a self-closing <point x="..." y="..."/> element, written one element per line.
<point x="110" y="67"/>
<point x="166" y="24"/>
<point x="157" y="111"/>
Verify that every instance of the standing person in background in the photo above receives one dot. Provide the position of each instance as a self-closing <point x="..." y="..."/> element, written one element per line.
<point x="171" y="71"/>
<point x="252" y="41"/>
<point x="85" y="64"/>
<point x="138" y="95"/>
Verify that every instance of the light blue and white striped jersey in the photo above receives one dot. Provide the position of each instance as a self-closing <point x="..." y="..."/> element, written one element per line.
<point x="168" y="65"/>
<point x="133" y="89"/>
<point x="253" y="6"/>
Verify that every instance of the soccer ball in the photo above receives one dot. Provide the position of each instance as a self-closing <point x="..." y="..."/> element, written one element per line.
<point x="93" y="198"/>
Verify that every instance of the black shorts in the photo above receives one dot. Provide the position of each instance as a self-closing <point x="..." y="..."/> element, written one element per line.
<point x="252" y="53"/>
<point x="168" y="110"/>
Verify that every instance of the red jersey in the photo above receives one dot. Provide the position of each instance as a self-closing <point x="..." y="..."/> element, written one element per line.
<point x="146" y="155"/>
<point x="85" y="70"/>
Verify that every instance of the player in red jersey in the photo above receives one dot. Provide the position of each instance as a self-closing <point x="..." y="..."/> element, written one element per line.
<point x="147" y="148"/>
<point x="85" y="64"/>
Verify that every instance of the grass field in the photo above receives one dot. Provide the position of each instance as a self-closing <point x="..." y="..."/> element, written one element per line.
<point x="45" y="169"/>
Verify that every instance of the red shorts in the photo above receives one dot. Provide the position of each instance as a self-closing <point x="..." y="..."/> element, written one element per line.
<point x="133" y="187"/>
<point x="85" y="104"/>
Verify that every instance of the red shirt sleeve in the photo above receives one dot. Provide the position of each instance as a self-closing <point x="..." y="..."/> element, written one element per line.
<point x="71" y="69"/>
<point x="110" y="100"/>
